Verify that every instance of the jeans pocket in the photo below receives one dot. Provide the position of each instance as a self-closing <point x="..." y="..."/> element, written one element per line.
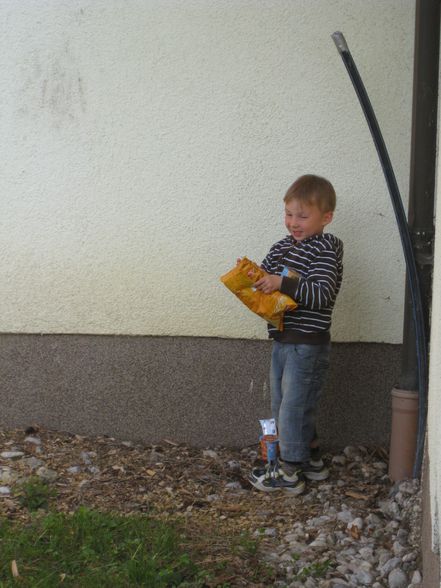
<point x="314" y="355"/>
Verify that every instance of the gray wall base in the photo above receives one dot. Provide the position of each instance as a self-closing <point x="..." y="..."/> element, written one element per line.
<point x="200" y="391"/>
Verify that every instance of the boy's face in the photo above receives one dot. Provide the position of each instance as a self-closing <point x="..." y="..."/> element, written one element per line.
<point x="305" y="220"/>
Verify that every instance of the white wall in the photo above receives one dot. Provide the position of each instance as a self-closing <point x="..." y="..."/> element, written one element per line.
<point x="434" y="404"/>
<point x="148" y="143"/>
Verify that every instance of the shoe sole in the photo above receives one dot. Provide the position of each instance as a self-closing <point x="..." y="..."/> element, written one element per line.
<point x="267" y="488"/>
<point x="317" y="476"/>
<point x="314" y="476"/>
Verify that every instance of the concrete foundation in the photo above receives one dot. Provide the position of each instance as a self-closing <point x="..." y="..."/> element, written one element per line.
<point x="200" y="391"/>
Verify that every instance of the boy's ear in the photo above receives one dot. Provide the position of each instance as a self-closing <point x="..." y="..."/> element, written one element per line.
<point x="327" y="217"/>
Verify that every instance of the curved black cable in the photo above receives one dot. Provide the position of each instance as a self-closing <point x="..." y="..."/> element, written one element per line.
<point x="406" y="242"/>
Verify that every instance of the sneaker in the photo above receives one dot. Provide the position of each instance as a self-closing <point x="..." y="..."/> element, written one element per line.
<point x="315" y="469"/>
<point x="258" y="472"/>
<point x="273" y="477"/>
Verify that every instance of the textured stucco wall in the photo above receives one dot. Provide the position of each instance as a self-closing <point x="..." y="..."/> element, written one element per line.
<point x="434" y="408"/>
<point x="147" y="144"/>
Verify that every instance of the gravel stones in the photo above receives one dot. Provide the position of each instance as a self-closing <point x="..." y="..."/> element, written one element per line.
<point x="351" y="535"/>
<point x="354" y="529"/>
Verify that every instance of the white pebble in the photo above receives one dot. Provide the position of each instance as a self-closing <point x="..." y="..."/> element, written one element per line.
<point x="373" y="520"/>
<point x="12" y="454"/>
<point x="389" y="508"/>
<point x="85" y="456"/>
<point x="397" y="579"/>
<point x="345" y="516"/>
<point x="364" y="578"/>
<point x="409" y="487"/>
<point x="390" y="565"/>
<point x="210" y="453"/>
<point x="47" y="474"/>
<point x="7" y="476"/>
<point x="319" y="543"/>
<point x="318" y="521"/>
<point x="410" y="557"/>
<point x="33" y="440"/>
<point x="416" y="577"/>
<point x="398" y="549"/>
<point x="383" y="555"/>
<point x="233" y="486"/>
<point x="351" y="452"/>
<point x="33" y="462"/>
<point x="212" y="497"/>
<point x="339" y="460"/>
<point x="74" y="469"/>
<point x="366" y="566"/>
<point x="358" y="522"/>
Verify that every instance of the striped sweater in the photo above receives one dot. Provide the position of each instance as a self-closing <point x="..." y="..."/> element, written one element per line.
<point x="315" y="270"/>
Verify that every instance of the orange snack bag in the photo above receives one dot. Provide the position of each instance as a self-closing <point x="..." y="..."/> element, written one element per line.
<point x="270" y="307"/>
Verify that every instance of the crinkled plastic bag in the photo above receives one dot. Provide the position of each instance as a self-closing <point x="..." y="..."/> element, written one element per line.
<point x="270" y="307"/>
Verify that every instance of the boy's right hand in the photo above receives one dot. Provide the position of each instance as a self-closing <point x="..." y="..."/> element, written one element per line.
<point x="269" y="283"/>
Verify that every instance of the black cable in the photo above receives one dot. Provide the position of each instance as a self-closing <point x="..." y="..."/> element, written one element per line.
<point x="406" y="242"/>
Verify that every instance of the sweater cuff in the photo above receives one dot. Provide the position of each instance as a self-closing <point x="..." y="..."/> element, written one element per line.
<point x="289" y="286"/>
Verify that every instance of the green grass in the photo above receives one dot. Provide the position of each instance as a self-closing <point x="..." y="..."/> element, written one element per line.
<point x="35" y="493"/>
<point x="89" y="549"/>
<point x="315" y="570"/>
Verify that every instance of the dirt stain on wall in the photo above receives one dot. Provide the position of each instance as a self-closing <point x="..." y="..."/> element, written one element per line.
<point x="53" y="85"/>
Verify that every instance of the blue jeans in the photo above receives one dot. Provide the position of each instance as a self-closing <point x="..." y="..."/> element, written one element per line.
<point x="298" y="372"/>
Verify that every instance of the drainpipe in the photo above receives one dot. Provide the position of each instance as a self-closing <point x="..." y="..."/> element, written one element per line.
<point x="408" y="412"/>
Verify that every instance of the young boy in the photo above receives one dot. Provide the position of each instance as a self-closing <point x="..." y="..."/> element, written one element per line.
<point x="307" y="266"/>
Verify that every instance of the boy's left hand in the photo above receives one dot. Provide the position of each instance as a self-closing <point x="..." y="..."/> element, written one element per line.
<point x="269" y="283"/>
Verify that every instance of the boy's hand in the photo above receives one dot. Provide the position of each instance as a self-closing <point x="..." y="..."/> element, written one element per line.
<point x="268" y="283"/>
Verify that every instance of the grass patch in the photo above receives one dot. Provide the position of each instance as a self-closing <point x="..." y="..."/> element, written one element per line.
<point x="35" y="493"/>
<point x="315" y="570"/>
<point x="90" y="549"/>
<point x="230" y="555"/>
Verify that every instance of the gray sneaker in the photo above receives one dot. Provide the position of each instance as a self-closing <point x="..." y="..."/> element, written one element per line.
<point x="315" y="470"/>
<point x="312" y="470"/>
<point x="272" y="478"/>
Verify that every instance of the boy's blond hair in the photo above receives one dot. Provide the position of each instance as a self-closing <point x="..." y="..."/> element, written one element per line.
<point x="312" y="190"/>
